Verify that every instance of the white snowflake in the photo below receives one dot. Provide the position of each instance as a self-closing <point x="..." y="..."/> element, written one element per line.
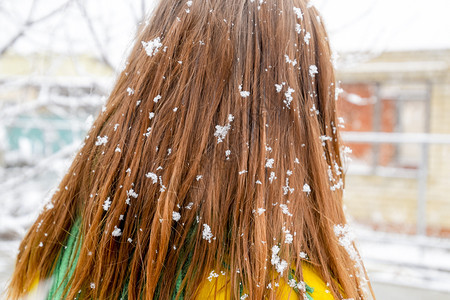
<point x="290" y="61"/>
<point x="288" y="238"/>
<point x="157" y="98"/>
<point x="149" y="130"/>
<point x="307" y="38"/>
<point x="130" y="91"/>
<point x="325" y="138"/>
<point x="298" y="12"/>
<point x="289" y="98"/>
<point x="101" y="140"/>
<point x="116" y="232"/>
<point x="272" y="177"/>
<point x="346" y="238"/>
<point x="269" y="162"/>
<point x="306" y="188"/>
<point x="347" y="150"/>
<point x="222" y="131"/>
<point x="107" y="204"/>
<point x="207" y="234"/>
<point x="292" y="283"/>
<point x="132" y="193"/>
<point x="212" y="275"/>
<point x="152" y="176"/>
<point x="163" y="187"/>
<point x="176" y="216"/>
<point x="313" y="71"/>
<point x="285" y="210"/>
<point x="227" y="154"/>
<point x="287" y="189"/>
<point x="152" y="47"/>
<point x="260" y="211"/>
<point x="280" y="264"/>
<point x="278" y="87"/>
<point x="245" y="94"/>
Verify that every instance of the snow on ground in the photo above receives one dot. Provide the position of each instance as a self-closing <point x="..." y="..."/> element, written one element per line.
<point x="410" y="262"/>
<point x="7" y="260"/>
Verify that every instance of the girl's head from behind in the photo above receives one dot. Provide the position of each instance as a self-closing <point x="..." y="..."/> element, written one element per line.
<point x="218" y="150"/>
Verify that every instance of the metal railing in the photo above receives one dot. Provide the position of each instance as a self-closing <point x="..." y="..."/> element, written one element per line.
<point x="422" y="139"/>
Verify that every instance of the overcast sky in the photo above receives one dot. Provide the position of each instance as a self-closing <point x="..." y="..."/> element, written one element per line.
<point x="354" y="25"/>
<point x="387" y="25"/>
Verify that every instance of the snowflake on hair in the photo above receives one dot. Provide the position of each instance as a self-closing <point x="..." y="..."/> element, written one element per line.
<point x="222" y="131"/>
<point x="207" y="234"/>
<point x="244" y="94"/>
<point x="152" y="47"/>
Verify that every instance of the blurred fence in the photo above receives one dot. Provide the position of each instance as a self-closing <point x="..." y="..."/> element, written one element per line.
<point x="400" y="186"/>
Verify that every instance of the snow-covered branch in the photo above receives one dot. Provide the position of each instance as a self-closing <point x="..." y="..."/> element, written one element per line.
<point x="29" y="22"/>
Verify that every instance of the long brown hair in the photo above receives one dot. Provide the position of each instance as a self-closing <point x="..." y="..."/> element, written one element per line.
<point x="218" y="150"/>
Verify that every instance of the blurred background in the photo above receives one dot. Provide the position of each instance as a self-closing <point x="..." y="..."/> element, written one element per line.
<point x="59" y="60"/>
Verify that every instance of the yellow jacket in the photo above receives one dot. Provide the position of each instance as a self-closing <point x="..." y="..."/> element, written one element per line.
<point x="217" y="284"/>
<point x="320" y="290"/>
<point x="206" y="291"/>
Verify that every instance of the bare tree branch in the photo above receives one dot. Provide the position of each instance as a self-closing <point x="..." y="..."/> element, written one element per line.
<point x="97" y="41"/>
<point x="13" y="40"/>
<point x="136" y="17"/>
<point x="29" y="22"/>
<point x="143" y="9"/>
<point x="52" y="13"/>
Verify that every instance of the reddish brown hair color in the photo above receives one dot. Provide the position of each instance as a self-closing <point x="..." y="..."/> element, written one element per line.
<point x="212" y="53"/>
